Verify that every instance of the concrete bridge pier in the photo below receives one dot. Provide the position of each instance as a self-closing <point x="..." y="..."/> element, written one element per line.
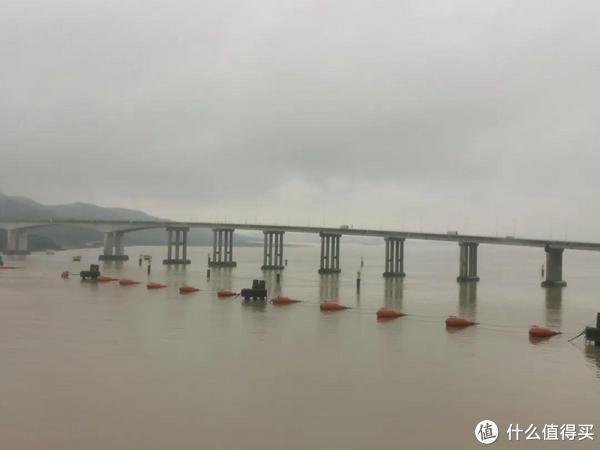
<point x="17" y="242"/>
<point x="113" y="247"/>
<point x="468" y="262"/>
<point x="554" y="267"/>
<point x="394" y="258"/>
<point x="273" y="250"/>
<point x="330" y="253"/>
<point x="177" y="246"/>
<point x="222" y="248"/>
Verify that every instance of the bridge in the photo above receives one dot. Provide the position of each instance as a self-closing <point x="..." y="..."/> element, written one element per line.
<point x="222" y="251"/>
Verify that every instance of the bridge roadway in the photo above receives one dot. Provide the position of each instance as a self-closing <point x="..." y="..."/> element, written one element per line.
<point x="273" y="247"/>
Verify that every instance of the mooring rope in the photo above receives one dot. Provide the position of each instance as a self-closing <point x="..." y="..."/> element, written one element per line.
<point x="573" y="338"/>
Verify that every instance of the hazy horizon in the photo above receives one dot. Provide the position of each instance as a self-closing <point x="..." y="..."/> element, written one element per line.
<point x="472" y="116"/>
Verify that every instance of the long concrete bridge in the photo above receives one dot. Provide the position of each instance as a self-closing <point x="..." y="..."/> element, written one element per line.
<point x="222" y="252"/>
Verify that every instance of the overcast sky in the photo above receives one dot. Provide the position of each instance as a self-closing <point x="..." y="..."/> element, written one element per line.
<point x="470" y="115"/>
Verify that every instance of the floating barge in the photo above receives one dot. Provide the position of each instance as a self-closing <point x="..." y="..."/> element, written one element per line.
<point x="257" y="292"/>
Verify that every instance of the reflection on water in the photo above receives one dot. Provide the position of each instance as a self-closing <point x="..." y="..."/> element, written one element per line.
<point x="592" y="354"/>
<point x="467" y="300"/>
<point x="274" y="281"/>
<point x="329" y="286"/>
<point x="392" y="294"/>
<point x="554" y="307"/>
<point x="221" y="278"/>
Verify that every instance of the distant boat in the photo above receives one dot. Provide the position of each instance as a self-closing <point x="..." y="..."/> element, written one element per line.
<point x="77" y="258"/>
<point x="147" y="257"/>
<point x="49" y="252"/>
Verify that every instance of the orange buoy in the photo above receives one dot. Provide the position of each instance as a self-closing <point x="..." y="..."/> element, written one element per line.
<point x="185" y="289"/>
<point x="103" y="278"/>
<point x="226" y="293"/>
<point x="388" y="313"/>
<point x="64" y="275"/>
<point x="281" y="300"/>
<point x="541" y="332"/>
<point x="454" y="321"/>
<point x="152" y="285"/>
<point x="128" y="282"/>
<point x="332" y="306"/>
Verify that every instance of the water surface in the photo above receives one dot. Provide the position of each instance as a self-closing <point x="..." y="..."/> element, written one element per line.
<point x="103" y="367"/>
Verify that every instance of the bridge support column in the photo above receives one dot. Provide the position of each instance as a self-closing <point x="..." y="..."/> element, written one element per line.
<point x="222" y="248"/>
<point x="394" y="257"/>
<point x="468" y="262"/>
<point x="554" y="267"/>
<point x="17" y="242"/>
<point x="330" y="253"/>
<point x="177" y="246"/>
<point x="273" y="254"/>
<point x="113" y="247"/>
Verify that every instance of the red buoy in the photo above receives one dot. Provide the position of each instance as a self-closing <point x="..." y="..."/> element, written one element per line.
<point x="185" y="289"/>
<point x="281" y="300"/>
<point x="454" y="321"/>
<point x="152" y="285"/>
<point x="332" y="306"/>
<point x="104" y="279"/>
<point x="128" y="282"/>
<point x="226" y="293"/>
<point x="541" y="332"/>
<point x="64" y="275"/>
<point x="388" y="313"/>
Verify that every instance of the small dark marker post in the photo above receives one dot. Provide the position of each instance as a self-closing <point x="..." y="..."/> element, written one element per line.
<point x="597" y="341"/>
<point x="149" y="268"/>
<point x="278" y="277"/>
<point x="358" y="281"/>
<point x="208" y="274"/>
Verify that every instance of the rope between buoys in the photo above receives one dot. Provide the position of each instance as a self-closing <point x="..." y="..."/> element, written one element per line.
<point x="573" y="338"/>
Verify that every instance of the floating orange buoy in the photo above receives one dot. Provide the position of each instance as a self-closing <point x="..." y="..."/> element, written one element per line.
<point x="64" y="275"/>
<point x="152" y="285"/>
<point x="388" y="313"/>
<point x="187" y="289"/>
<point x="541" y="332"/>
<point x="226" y="293"/>
<point x="128" y="282"/>
<point x="103" y="278"/>
<point x="281" y="300"/>
<point x="454" y="321"/>
<point x="332" y="306"/>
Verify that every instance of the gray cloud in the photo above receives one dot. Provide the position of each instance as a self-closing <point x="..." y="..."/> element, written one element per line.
<point x="479" y="116"/>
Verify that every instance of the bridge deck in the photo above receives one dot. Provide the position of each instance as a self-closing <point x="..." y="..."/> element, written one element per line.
<point x="141" y="225"/>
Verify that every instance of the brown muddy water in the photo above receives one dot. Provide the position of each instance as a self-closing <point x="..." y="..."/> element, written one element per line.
<point x="101" y="367"/>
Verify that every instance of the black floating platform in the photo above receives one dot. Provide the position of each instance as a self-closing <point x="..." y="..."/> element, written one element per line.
<point x="272" y="267"/>
<point x="257" y="292"/>
<point x="593" y="334"/>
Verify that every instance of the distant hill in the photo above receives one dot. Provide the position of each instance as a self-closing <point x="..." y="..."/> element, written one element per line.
<point x="62" y="236"/>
